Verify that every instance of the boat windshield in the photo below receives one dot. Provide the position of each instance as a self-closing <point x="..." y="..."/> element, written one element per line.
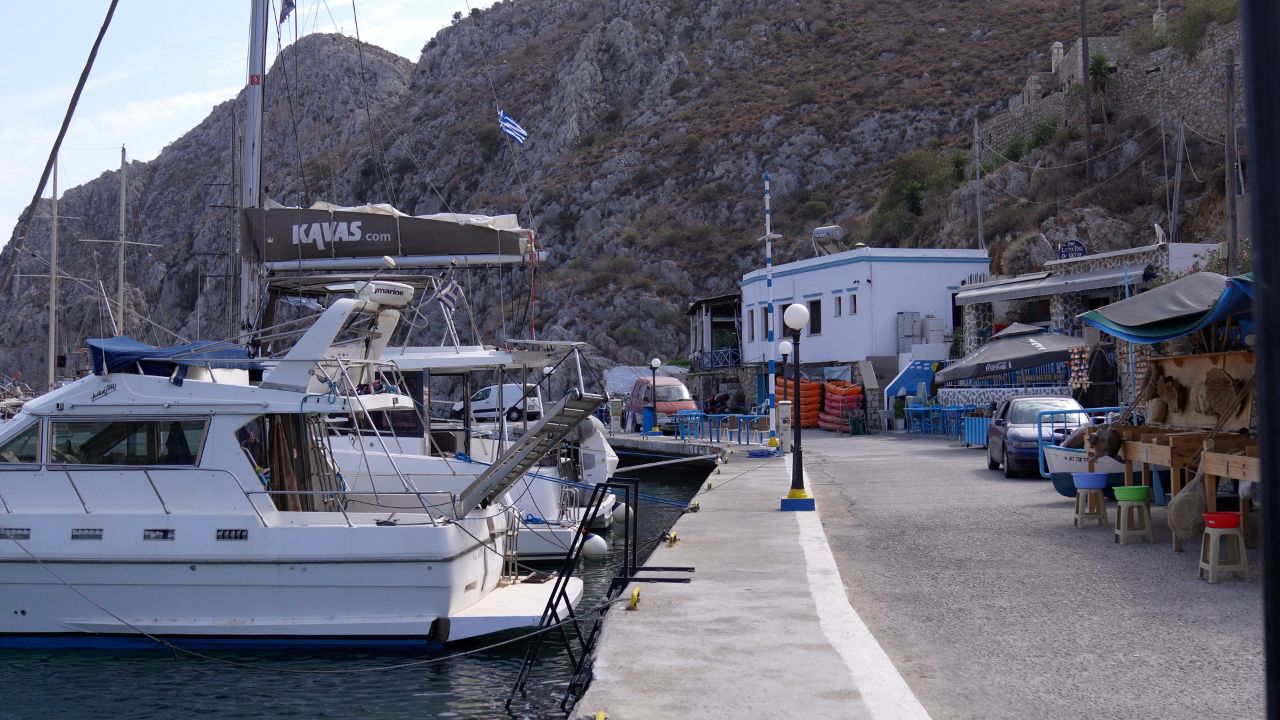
<point x="672" y="393"/>
<point x="24" y="447"/>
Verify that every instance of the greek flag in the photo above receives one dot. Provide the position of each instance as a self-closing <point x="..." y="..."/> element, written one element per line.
<point x="450" y="295"/>
<point x="512" y="128"/>
<point x="286" y="7"/>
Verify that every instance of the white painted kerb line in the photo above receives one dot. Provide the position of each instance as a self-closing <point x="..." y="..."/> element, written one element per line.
<point x="883" y="690"/>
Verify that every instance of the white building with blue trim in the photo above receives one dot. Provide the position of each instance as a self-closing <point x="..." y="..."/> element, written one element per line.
<point x="854" y="299"/>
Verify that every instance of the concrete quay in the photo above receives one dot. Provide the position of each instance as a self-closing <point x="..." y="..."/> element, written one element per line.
<point x="925" y="585"/>
<point x="638" y="449"/>
<point x="763" y="631"/>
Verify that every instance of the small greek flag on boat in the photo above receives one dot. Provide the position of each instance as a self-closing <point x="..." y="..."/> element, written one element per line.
<point x="449" y="295"/>
<point x="512" y="128"/>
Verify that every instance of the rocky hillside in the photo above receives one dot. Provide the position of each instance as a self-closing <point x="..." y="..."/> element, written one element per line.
<point x="651" y="122"/>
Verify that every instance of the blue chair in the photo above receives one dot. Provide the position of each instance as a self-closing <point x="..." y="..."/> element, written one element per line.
<point x="688" y="424"/>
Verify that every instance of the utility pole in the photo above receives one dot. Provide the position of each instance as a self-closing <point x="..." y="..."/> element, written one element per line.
<point x="1180" y="148"/>
<point x="1229" y="174"/>
<point x="769" y="351"/>
<point x="120" y="250"/>
<point x="977" y="183"/>
<point x="53" y="282"/>
<point x="1085" y="82"/>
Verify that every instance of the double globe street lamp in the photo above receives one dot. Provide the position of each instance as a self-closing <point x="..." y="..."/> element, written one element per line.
<point x="795" y="318"/>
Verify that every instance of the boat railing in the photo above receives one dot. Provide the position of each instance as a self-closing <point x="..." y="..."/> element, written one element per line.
<point x="342" y="496"/>
<point x="338" y="374"/>
<point x="145" y="472"/>
<point x="1060" y="422"/>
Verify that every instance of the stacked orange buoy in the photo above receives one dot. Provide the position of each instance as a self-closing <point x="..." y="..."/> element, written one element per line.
<point x="841" y="399"/>
<point x="810" y="399"/>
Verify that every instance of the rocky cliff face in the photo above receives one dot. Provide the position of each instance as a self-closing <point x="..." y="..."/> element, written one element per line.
<point x="651" y="123"/>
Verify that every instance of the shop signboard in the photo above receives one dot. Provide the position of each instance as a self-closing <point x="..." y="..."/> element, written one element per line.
<point x="1069" y="249"/>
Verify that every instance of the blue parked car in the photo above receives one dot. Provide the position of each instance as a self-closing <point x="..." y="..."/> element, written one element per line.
<point x="1011" y="437"/>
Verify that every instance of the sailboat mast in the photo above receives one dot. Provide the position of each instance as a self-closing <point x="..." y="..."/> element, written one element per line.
<point x="120" y="251"/>
<point x="53" y="282"/>
<point x="251" y="160"/>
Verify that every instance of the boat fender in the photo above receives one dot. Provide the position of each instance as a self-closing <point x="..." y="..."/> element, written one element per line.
<point x="634" y="604"/>
<point x="439" y="632"/>
<point x="595" y="547"/>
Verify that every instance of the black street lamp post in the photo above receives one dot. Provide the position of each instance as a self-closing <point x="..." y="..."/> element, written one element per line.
<point x="654" y="364"/>
<point x="795" y="318"/>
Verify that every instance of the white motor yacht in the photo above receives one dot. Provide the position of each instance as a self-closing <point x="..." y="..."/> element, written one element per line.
<point x="551" y="498"/>
<point x="167" y="496"/>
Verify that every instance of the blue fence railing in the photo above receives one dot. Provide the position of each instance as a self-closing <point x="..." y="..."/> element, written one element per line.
<point x="722" y="358"/>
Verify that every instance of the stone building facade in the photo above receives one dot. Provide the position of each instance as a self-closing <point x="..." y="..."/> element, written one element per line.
<point x="1140" y="265"/>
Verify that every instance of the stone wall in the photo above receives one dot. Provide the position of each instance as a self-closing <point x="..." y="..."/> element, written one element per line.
<point x="1154" y="256"/>
<point x="998" y="131"/>
<point x="1190" y="90"/>
<point x="1193" y="91"/>
<point x="1141" y="356"/>
<point x="1063" y="309"/>
<point x="978" y="318"/>
<point x="983" y="397"/>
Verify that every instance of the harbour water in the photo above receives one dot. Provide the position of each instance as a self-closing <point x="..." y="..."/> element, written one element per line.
<point x="317" y="684"/>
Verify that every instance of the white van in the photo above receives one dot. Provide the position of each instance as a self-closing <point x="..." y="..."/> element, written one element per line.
<point x="484" y="404"/>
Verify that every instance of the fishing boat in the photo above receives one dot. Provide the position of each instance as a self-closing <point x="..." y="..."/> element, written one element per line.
<point x="1060" y="462"/>
<point x="173" y="497"/>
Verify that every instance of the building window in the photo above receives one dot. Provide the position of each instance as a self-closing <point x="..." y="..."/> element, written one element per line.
<point x="839" y="307"/>
<point x="764" y="324"/>
<point x="815" y="317"/>
<point x="853" y="304"/>
<point x="751" y="326"/>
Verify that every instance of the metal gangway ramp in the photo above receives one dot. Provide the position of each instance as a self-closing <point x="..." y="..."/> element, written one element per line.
<point x="543" y="437"/>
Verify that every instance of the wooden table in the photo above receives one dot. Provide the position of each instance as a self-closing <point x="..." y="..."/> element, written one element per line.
<point x="1171" y="449"/>
<point x="1218" y="464"/>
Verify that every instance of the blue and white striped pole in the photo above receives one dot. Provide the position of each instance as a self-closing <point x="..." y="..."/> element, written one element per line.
<point x="771" y="350"/>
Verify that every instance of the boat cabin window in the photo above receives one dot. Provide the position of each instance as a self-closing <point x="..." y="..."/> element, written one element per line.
<point x="24" y="447"/>
<point x="127" y="442"/>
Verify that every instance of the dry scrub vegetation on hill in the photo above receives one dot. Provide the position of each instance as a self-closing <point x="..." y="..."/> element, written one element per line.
<point x="651" y="123"/>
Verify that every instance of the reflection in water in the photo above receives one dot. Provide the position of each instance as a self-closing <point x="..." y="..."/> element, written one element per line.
<point x="160" y="684"/>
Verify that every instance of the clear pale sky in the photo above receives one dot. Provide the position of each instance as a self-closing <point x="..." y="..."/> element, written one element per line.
<point x="162" y="67"/>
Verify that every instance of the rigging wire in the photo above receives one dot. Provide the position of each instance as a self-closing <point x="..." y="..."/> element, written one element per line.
<point x="379" y="151"/>
<point x="515" y="164"/>
<point x="290" y="94"/>
<point x="1097" y="156"/>
<point x="1086" y="191"/>
<point x="63" y="275"/>
<point x="25" y="218"/>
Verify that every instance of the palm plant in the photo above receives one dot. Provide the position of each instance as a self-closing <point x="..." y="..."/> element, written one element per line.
<point x="1100" y="79"/>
